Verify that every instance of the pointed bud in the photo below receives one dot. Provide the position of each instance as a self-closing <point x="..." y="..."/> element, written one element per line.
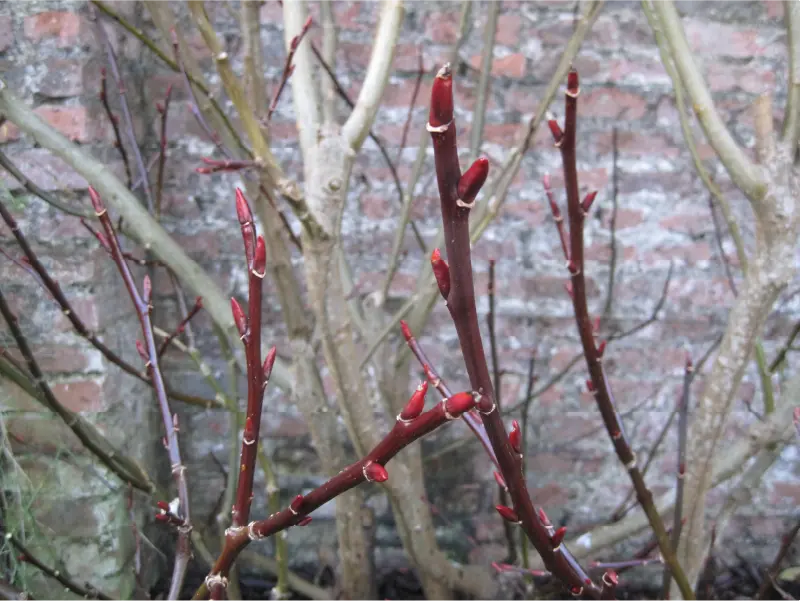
<point x="507" y="513"/>
<point x="572" y="267"/>
<point x="558" y="536"/>
<point x="140" y="348"/>
<point x="243" y="212"/>
<point x="441" y="113"/>
<point x="406" y="330"/>
<point x="573" y="85"/>
<point x="515" y="437"/>
<point x="473" y="179"/>
<point x="415" y="404"/>
<point x="576" y="590"/>
<point x="162" y="517"/>
<point x="689" y="364"/>
<point x="590" y="386"/>
<point x="588" y="200"/>
<point x="459" y="403"/>
<point x="568" y="288"/>
<point x="543" y="517"/>
<point x="260" y="258"/>
<point x="97" y="203"/>
<point x="441" y="272"/>
<point x="500" y="480"/>
<point x="163" y="505"/>
<point x="601" y="348"/>
<point x="248" y="436"/>
<point x="238" y="317"/>
<point x="611" y="579"/>
<point x="269" y="362"/>
<point x="555" y="129"/>
<point x="596" y="325"/>
<point x="432" y="378"/>
<point x="296" y="503"/>
<point x="147" y="289"/>
<point x="305" y="521"/>
<point x="375" y="472"/>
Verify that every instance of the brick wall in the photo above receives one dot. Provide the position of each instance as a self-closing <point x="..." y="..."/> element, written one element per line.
<point x="50" y="56"/>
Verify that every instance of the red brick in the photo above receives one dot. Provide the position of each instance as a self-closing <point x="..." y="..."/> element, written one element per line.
<point x="601" y="251"/>
<point x="612" y="103"/>
<point x="81" y="395"/>
<point x="774" y="9"/>
<point x="8" y="132"/>
<point x="636" y="144"/>
<point x="508" y="26"/>
<point x="60" y="359"/>
<point x="401" y="94"/>
<point x="348" y="15"/>
<point x="65" y="26"/>
<point x="710" y="40"/>
<point x="6" y="33"/>
<point x="625" y="218"/>
<point x="725" y="78"/>
<point x="592" y="179"/>
<point x="693" y="224"/>
<point x="74" y="122"/>
<point x="85" y="307"/>
<point x="376" y="206"/>
<point x="63" y="78"/>
<point x="45" y="170"/>
<point x="786" y="490"/>
<point x="442" y="28"/>
<point x="512" y="65"/>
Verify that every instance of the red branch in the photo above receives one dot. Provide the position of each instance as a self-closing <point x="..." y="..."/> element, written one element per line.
<point x="257" y="374"/>
<point x="198" y="305"/>
<point x="288" y="67"/>
<point x="369" y="469"/>
<point x="163" y="110"/>
<point x="226" y="165"/>
<point x="598" y="383"/>
<point x="457" y="196"/>
<point x="143" y="307"/>
<point x="103" y="95"/>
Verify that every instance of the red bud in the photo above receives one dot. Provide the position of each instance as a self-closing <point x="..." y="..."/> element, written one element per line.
<point x="296" y="503"/>
<point x="162" y="517"/>
<point x="601" y="348"/>
<point x="576" y="590"/>
<point x="543" y="517"/>
<point x="163" y="505"/>
<point x="97" y="203"/>
<point x="590" y="385"/>
<point x="500" y="480"/>
<point x="147" y="289"/>
<point x="572" y="268"/>
<point x="441" y="113"/>
<point x="203" y="170"/>
<point x="441" y="272"/>
<point x="459" y="403"/>
<point x="555" y="129"/>
<point x="568" y="288"/>
<point x="573" y="84"/>
<point x="238" y="317"/>
<point x="558" y="536"/>
<point x="142" y="351"/>
<point x="515" y="437"/>
<point x="596" y="325"/>
<point x="507" y="513"/>
<point x="473" y="179"/>
<point x="248" y="435"/>
<point x="611" y="578"/>
<point x="416" y="403"/>
<point x="305" y="521"/>
<point x="260" y="258"/>
<point x="689" y="364"/>
<point x="269" y="362"/>
<point x="243" y="211"/>
<point x="375" y="472"/>
<point x="587" y="201"/>
<point x="406" y="330"/>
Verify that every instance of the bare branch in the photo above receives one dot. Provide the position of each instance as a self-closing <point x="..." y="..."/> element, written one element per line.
<point x="744" y="173"/>
<point x="791" y="119"/>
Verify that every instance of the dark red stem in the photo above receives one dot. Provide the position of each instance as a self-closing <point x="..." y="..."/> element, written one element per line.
<point x="288" y="68"/>
<point x="402" y="434"/>
<point x="198" y="305"/>
<point x="162" y="150"/>
<point x="461" y="304"/>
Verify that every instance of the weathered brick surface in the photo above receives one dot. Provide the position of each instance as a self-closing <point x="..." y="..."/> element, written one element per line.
<point x="50" y="57"/>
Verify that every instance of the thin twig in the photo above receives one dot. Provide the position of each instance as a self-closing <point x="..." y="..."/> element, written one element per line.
<point x="114" y="120"/>
<point x="781" y="356"/>
<point x="612" y="226"/>
<point x="484" y="79"/>
<point x="769" y="576"/>
<point x="198" y="305"/>
<point x="288" y="68"/>
<point x="163" y="110"/>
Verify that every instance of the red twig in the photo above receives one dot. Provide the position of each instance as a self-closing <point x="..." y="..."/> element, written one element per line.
<point x="114" y="120"/>
<point x="410" y="426"/>
<point x="598" y="385"/>
<point x="257" y="374"/>
<point x="227" y="165"/>
<point x="163" y="110"/>
<point x="288" y="67"/>
<point x="43" y="277"/>
<point x="142" y="305"/>
<point x="457" y="194"/>
<point x="198" y="305"/>
<point x="473" y="422"/>
<point x="128" y="256"/>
